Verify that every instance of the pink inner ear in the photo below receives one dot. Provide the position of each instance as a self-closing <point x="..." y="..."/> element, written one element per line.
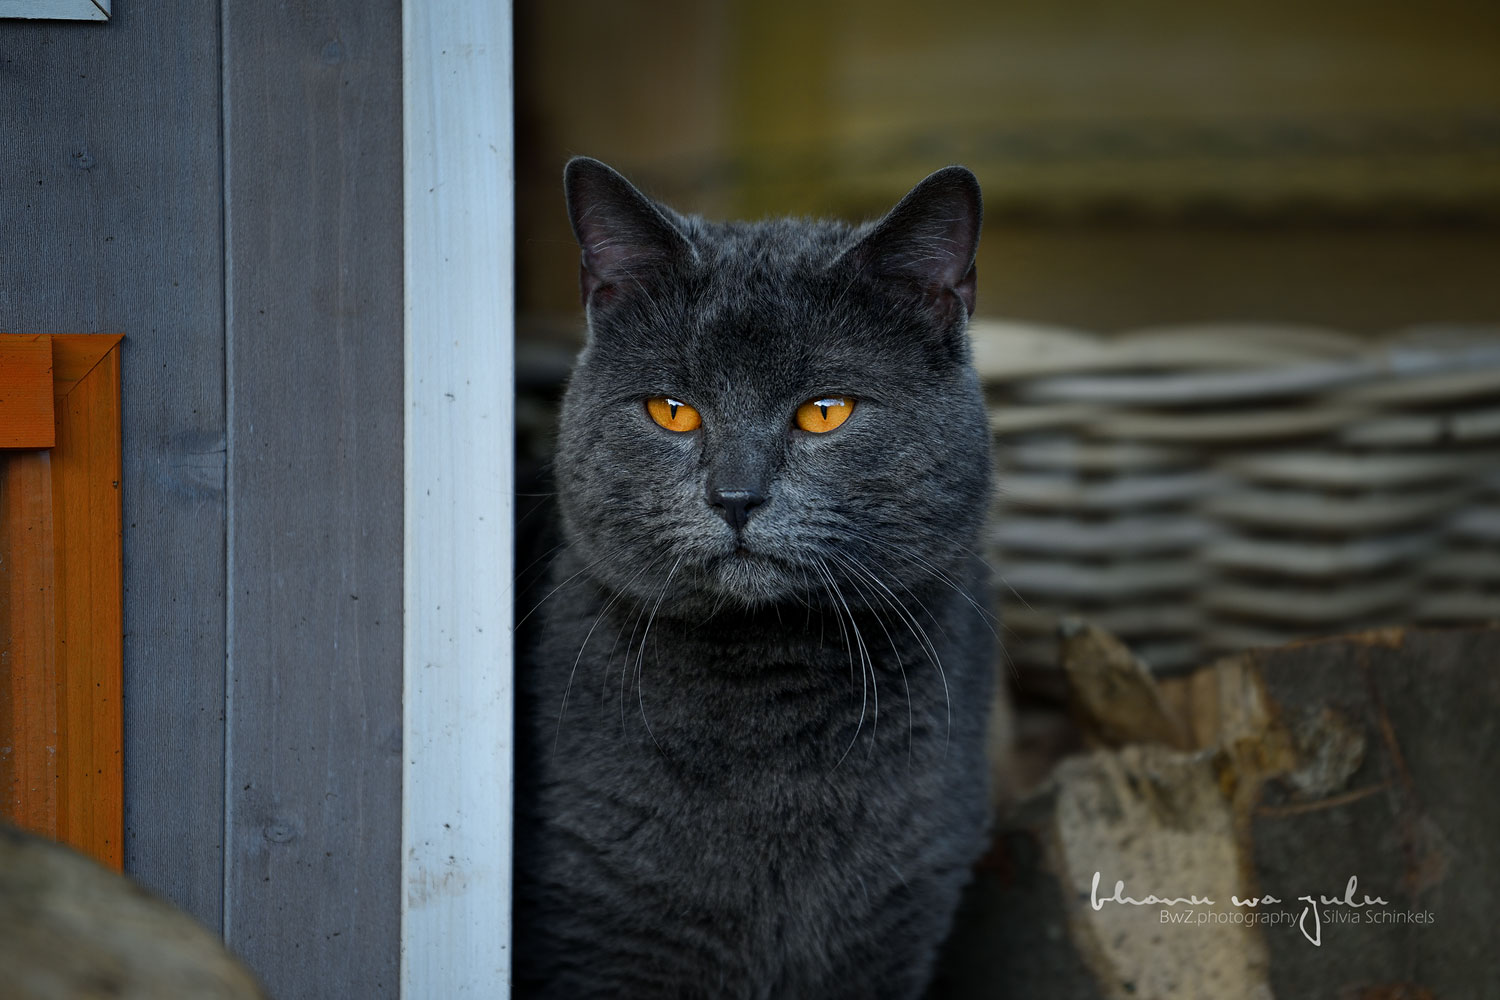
<point x="929" y="239"/>
<point x="622" y="235"/>
<point x="613" y="249"/>
<point x="966" y="287"/>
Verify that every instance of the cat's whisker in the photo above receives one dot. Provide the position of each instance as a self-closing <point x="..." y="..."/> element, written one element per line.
<point x="849" y="648"/>
<point x="806" y="602"/>
<point x="516" y="579"/>
<point x="988" y="565"/>
<point x="930" y="569"/>
<point x="1016" y="593"/>
<point x="1011" y="670"/>
<point x="838" y="617"/>
<point x="719" y="601"/>
<point x="992" y="622"/>
<point x="522" y="620"/>
<point x="568" y="689"/>
<point x="985" y="615"/>
<point x="919" y="633"/>
<point x="640" y="659"/>
<point x="895" y="651"/>
<point x="635" y="623"/>
<point x="534" y="509"/>
<point x="519" y="574"/>
<point x="921" y="604"/>
<point x="864" y="661"/>
<point x="993" y="570"/>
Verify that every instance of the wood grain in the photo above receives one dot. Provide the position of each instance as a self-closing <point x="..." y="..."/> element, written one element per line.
<point x="86" y="539"/>
<point x="314" y="139"/>
<point x="25" y="392"/>
<point x="459" y="512"/>
<point x="28" y="665"/>
<point x="113" y="222"/>
<point x="60" y="675"/>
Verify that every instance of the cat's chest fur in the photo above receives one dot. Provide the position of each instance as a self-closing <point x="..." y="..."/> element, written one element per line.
<point x="807" y="822"/>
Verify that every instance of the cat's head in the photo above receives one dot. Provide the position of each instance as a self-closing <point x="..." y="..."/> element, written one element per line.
<point x="773" y="411"/>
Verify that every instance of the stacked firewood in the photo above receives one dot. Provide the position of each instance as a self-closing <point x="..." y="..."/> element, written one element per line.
<point x="1314" y="820"/>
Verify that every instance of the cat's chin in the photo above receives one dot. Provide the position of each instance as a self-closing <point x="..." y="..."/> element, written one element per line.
<point x="752" y="579"/>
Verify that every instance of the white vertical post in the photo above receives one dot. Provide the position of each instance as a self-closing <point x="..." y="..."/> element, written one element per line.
<point x="457" y="774"/>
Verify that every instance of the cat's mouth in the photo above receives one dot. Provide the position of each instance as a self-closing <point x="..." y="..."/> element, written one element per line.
<point x="751" y="575"/>
<point x="741" y="550"/>
<point x="744" y="555"/>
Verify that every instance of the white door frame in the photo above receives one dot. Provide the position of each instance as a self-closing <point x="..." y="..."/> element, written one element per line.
<point x="457" y="698"/>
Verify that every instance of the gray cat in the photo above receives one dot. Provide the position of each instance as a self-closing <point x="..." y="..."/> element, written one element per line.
<point x="757" y="703"/>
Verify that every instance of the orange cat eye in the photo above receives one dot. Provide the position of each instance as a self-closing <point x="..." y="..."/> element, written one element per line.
<point x="819" y="416"/>
<point x="673" y="414"/>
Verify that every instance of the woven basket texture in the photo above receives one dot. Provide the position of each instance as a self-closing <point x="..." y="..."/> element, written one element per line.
<point x="1203" y="489"/>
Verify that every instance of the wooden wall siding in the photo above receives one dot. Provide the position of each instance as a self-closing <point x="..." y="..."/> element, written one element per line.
<point x="313" y="147"/>
<point x="111" y="207"/>
<point x="223" y="184"/>
<point x="26" y="392"/>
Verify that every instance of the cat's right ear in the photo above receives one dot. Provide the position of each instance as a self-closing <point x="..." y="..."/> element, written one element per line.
<point x="927" y="244"/>
<point x="624" y="237"/>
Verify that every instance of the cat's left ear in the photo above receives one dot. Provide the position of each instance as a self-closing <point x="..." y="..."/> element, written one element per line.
<point x="626" y="238"/>
<point x="928" y="241"/>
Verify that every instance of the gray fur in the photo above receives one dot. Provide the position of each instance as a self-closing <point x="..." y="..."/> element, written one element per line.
<point x="756" y="765"/>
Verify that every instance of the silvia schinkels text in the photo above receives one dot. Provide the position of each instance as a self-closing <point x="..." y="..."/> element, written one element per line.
<point x="1316" y="911"/>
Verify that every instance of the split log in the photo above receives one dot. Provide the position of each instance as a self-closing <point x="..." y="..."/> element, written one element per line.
<point x="1317" y="774"/>
<point x="1112" y="693"/>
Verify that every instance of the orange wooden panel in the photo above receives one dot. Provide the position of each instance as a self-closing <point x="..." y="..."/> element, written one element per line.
<point x="61" y="596"/>
<point x="89" y="588"/>
<point x="74" y="356"/>
<point x="28" y="667"/>
<point x="25" y="391"/>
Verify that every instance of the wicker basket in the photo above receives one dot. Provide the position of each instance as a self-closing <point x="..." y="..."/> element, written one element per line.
<point x="1203" y="489"/>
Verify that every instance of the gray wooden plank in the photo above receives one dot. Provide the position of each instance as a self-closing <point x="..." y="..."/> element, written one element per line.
<point x="111" y="207"/>
<point x="314" y="244"/>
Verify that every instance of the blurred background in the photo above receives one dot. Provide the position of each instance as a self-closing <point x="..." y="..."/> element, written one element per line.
<point x="1238" y="286"/>
<point x="1333" y="162"/>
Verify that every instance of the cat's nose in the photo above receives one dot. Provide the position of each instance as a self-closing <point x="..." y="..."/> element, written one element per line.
<point x="735" y="505"/>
